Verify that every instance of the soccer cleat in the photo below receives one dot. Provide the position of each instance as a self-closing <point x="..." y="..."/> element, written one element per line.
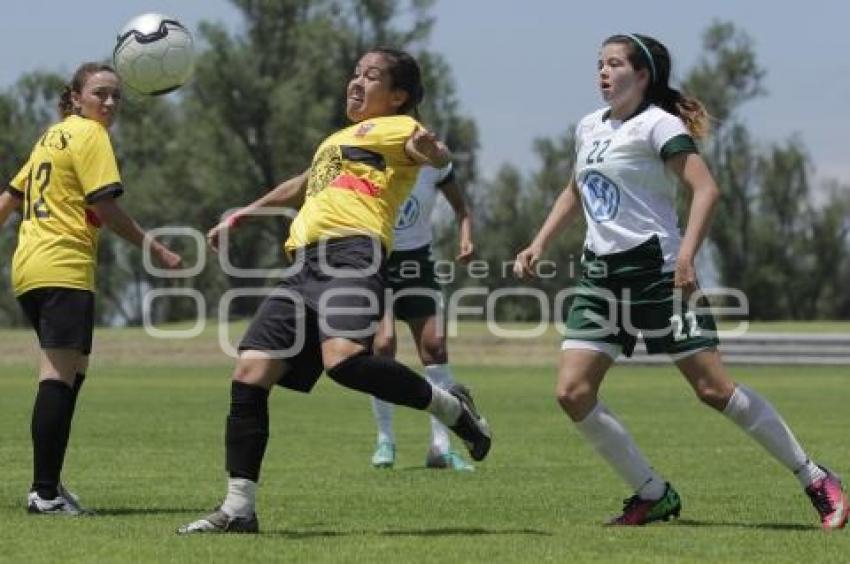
<point x="65" y="503"/>
<point x="637" y="511"/>
<point x="470" y="426"/>
<point x="384" y="456"/>
<point x="74" y="500"/>
<point x="830" y="501"/>
<point x="220" y="522"/>
<point x="451" y="459"/>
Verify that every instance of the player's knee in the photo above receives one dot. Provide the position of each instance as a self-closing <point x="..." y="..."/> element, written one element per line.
<point x="252" y="372"/>
<point x="384" y="347"/>
<point x="574" y="397"/>
<point x="433" y="351"/>
<point x="714" y="396"/>
<point x="243" y="373"/>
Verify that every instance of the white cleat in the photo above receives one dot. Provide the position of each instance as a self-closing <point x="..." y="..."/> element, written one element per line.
<point x="220" y="522"/>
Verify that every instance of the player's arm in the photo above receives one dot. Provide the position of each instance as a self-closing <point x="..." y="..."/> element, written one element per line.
<point x="423" y="147"/>
<point x="457" y="199"/>
<point x="563" y="213"/>
<point x="117" y="220"/>
<point x="10" y="201"/>
<point x="289" y="193"/>
<point x="691" y="169"/>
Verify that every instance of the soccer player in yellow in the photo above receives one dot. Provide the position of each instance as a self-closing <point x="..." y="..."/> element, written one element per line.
<point x="325" y="314"/>
<point x="66" y="191"/>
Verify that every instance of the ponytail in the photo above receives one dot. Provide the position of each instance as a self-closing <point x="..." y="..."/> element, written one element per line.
<point x="690" y="110"/>
<point x="66" y="105"/>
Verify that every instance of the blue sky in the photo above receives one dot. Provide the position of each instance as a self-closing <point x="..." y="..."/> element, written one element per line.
<point x="526" y="69"/>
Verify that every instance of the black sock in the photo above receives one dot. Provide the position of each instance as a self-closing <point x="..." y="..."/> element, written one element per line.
<point x="75" y="390"/>
<point x="247" y="430"/>
<point x="51" y="419"/>
<point x="79" y="380"/>
<point x="384" y="378"/>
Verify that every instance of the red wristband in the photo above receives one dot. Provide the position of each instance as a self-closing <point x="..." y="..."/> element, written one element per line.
<point x="234" y="219"/>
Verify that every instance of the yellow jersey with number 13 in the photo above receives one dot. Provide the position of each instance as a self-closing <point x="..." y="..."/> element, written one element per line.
<point x="71" y="166"/>
<point x="359" y="177"/>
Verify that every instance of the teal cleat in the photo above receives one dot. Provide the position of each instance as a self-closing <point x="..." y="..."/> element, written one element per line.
<point x="384" y="456"/>
<point x="450" y="460"/>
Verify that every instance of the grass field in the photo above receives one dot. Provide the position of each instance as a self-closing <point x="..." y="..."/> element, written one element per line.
<point x="147" y="454"/>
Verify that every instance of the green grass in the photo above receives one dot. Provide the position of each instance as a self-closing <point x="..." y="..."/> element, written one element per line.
<point x="147" y="454"/>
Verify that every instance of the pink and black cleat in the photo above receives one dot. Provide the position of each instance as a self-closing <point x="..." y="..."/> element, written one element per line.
<point x="830" y="500"/>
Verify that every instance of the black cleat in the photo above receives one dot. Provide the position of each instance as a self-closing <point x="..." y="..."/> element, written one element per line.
<point x="470" y="426"/>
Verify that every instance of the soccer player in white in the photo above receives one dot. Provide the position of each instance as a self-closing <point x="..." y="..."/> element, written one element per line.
<point x="416" y="301"/>
<point x="631" y="156"/>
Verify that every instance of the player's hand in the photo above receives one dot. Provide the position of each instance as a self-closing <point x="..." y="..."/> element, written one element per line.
<point x="685" y="277"/>
<point x="214" y="234"/>
<point x="465" y="252"/>
<point x="167" y="258"/>
<point x="526" y="260"/>
<point x="426" y="144"/>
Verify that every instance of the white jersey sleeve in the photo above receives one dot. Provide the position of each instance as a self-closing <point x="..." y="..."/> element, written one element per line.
<point x="667" y="127"/>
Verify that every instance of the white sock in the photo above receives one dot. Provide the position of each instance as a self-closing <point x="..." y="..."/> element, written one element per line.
<point x="241" y="497"/>
<point x="384" y="420"/>
<point x="441" y="376"/>
<point x="612" y="441"/>
<point x="444" y="406"/>
<point x="760" y="420"/>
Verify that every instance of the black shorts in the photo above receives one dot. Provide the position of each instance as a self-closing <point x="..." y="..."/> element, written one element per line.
<point x="338" y="292"/>
<point x="411" y="277"/>
<point x="63" y="318"/>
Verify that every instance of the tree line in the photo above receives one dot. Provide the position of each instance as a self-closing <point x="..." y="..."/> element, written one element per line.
<point x="263" y="98"/>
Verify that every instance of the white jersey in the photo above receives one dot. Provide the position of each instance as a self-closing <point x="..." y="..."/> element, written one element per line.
<point x="413" y="226"/>
<point x="627" y="192"/>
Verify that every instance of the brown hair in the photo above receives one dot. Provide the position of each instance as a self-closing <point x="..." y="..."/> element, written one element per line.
<point x="648" y="53"/>
<point x="78" y="81"/>
<point x="405" y="74"/>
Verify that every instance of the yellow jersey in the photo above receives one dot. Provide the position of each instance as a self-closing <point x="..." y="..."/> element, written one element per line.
<point x="71" y="166"/>
<point x="359" y="177"/>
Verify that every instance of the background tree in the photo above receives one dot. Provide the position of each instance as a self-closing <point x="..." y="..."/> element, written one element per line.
<point x="771" y="240"/>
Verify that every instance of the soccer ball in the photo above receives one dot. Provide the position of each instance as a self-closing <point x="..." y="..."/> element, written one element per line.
<point x="154" y="54"/>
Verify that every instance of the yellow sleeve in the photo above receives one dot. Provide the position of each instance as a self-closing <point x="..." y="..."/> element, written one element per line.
<point x="394" y="133"/>
<point x="97" y="170"/>
<point x="18" y="185"/>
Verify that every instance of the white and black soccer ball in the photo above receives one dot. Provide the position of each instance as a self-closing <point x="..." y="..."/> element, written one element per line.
<point x="154" y="54"/>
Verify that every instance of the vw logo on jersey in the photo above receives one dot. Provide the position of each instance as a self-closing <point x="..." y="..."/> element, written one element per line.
<point x="408" y="214"/>
<point x="600" y="195"/>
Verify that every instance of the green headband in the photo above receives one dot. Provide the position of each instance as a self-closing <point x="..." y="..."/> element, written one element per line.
<point x="646" y="52"/>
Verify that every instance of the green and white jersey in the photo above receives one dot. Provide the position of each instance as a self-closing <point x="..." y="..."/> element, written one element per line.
<point x="627" y="193"/>
<point x="413" y="224"/>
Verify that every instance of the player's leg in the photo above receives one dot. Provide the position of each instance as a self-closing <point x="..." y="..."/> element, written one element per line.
<point x="63" y="319"/>
<point x="384" y="345"/>
<point x="430" y="338"/>
<point x="705" y="372"/>
<point x="583" y="366"/>
<point x="351" y="310"/>
<point x="349" y="363"/>
<point x="52" y="413"/>
<point x="267" y="356"/>
<point x="246" y="437"/>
